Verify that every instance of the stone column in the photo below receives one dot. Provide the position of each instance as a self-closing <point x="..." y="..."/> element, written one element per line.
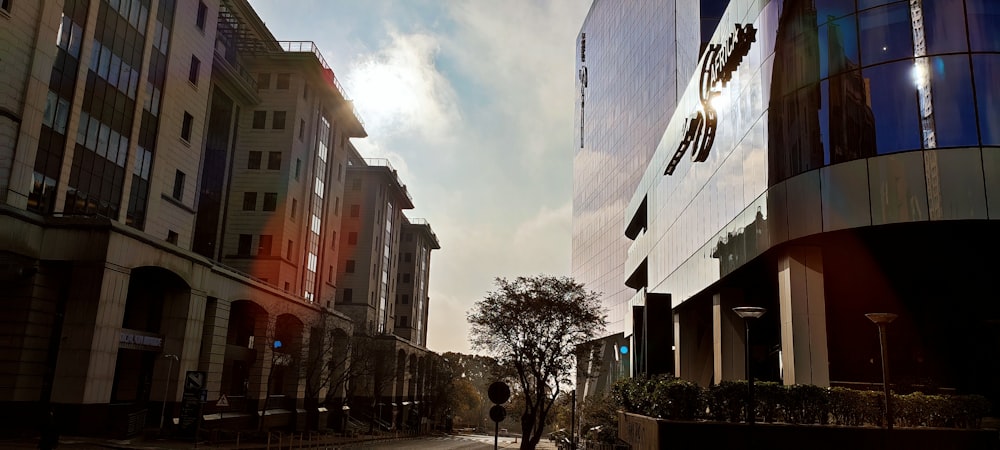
<point x="183" y="320"/>
<point x="728" y="337"/>
<point x="213" y="343"/>
<point x="86" y="367"/>
<point x="802" y="305"/>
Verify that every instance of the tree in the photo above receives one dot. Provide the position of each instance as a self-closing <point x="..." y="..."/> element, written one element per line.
<point x="534" y="324"/>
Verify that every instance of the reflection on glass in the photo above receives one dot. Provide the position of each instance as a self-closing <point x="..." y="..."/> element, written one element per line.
<point x="944" y="26"/>
<point x="838" y="46"/>
<point x="886" y="33"/>
<point x="954" y="113"/>
<point x="894" y="105"/>
<point x="793" y="125"/>
<point x="984" y="15"/>
<point x="988" y="97"/>
<point x="865" y="4"/>
<point x="827" y="10"/>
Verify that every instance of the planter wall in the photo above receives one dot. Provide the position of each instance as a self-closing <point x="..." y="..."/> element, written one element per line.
<point x="646" y="433"/>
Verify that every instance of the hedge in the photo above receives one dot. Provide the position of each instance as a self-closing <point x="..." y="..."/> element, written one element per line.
<point x="672" y="398"/>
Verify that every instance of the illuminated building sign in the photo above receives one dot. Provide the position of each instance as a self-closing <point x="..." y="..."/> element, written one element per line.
<point x="138" y="340"/>
<point x="721" y="60"/>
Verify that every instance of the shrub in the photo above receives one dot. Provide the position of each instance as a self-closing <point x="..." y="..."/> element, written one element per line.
<point x="805" y="403"/>
<point x="676" y="399"/>
<point x="769" y="397"/>
<point x="726" y="400"/>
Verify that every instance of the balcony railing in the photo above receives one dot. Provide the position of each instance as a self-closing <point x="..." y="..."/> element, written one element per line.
<point x="382" y="162"/>
<point x="310" y="47"/>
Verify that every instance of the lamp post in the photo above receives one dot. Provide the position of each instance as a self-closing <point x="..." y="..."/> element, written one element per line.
<point x="882" y="320"/>
<point x="166" y="386"/>
<point x="747" y="313"/>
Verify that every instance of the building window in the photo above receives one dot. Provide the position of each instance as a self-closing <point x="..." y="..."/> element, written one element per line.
<point x="263" y="81"/>
<point x="193" y="70"/>
<point x="186" y="127"/>
<point x="278" y="120"/>
<point x="259" y="120"/>
<point x="178" y="193"/>
<point x="333" y="240"/>
<point x="350" y="266"/>
<point x="288" y="252"/>
<point x="406" y="278"/>
<point x="348" y="296"/>
<point x="352" y="238"/>
<point x="407" y="257"/>
<point x="264" y="245"/>
<point x="243" y="248"/>
<point x="355" y="210"/>
<point x="329" y="274"/>
<point x="295" y="207"/>
<point x="340" y="172"/>
<point x="406" y="299"/>
<point x="253" y="161"/>
<point x="298" y="168"/>
<point x="202" y="14"/>
<point x="273" y="160"/>
<point x="287" y="286"/>
<point x="5" y="5"/>
<point x="336" y="206"/>
<point x="270" y="201"/>
<point x="172" y="237"/>
<point x="402" y="322"/>
<point x="302" y="128"/>
<point x="283" y="81"/>
<point x="249" y="201"/>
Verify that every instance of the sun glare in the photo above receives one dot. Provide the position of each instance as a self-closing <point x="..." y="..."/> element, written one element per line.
<point x="385" y="93"/>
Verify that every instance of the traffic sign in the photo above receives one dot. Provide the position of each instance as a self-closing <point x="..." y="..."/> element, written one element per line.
<point x="499" y="392"/>
<point x="498" y="413"/>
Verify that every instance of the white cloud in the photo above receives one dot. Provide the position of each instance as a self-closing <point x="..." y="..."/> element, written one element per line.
<point x="398" y="90"/>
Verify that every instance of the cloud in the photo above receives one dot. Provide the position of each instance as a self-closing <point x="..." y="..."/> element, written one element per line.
<point x="398" y="90"/>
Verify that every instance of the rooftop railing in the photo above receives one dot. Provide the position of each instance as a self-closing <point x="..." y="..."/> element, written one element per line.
<point x="382" y="162"/>
<point x="310" y="47"/>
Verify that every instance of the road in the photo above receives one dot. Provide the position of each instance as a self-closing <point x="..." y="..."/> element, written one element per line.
<point x="451" y="442"/>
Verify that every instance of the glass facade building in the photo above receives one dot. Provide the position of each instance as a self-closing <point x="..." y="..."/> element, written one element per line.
<point x="628" y="79"/>
<point x="829" y="158"/>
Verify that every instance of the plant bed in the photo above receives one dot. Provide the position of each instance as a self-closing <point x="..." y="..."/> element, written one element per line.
<point x="647" y="433"/>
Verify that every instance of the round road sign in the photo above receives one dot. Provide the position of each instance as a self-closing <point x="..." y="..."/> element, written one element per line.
<point x="497" y="413"/>
<point x="499" y="392"/>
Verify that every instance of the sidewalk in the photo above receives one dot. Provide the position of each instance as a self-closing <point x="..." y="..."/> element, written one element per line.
<point x="140" y="443"/>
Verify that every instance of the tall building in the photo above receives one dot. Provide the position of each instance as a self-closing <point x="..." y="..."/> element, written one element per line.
<point x="633" y="61"/>
<point x="173" y="184"/>
<point x="412" y="299"/>
<point x="826" y="160"/>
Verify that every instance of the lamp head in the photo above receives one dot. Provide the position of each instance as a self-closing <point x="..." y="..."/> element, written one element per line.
<point x="749" y="312"/>
<point x="879" y="318"/>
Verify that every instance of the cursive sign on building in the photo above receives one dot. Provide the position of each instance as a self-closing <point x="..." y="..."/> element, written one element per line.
<point x="718" y="66"/>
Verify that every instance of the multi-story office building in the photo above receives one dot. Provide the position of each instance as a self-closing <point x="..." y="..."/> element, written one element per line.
<point x="412" y="300"/>
<point x="633" y="61"/>
<point x="172" y="181"/>
<point x="826" y="160"/>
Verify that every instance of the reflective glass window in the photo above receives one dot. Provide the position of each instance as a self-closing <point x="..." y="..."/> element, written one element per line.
<point x="894" y="106"/>
<point x="886" y="33"/>
<point x="954" y="110"/>
<point x="944" y="27"/>
<point x="985" y="68"/>
<point x="827" y="10"/>
<point x="865" y="4"/>
<point x="984" y="15"/>
<point x="838" y="46"/>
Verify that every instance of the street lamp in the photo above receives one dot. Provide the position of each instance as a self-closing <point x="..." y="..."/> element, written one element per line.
<point x="166" y="385"/>
<point x="883" y="320"/>
<point x="747" y="313"/>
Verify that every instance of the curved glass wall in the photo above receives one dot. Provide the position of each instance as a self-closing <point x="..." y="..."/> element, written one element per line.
<point x="825" y="84"/>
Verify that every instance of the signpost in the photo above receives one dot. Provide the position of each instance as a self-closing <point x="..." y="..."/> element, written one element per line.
<point x="499" y="393"/>
<point x="194" y="395"/>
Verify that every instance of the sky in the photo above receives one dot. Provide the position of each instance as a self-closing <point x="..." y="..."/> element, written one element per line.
<point x="472" y="102"/>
